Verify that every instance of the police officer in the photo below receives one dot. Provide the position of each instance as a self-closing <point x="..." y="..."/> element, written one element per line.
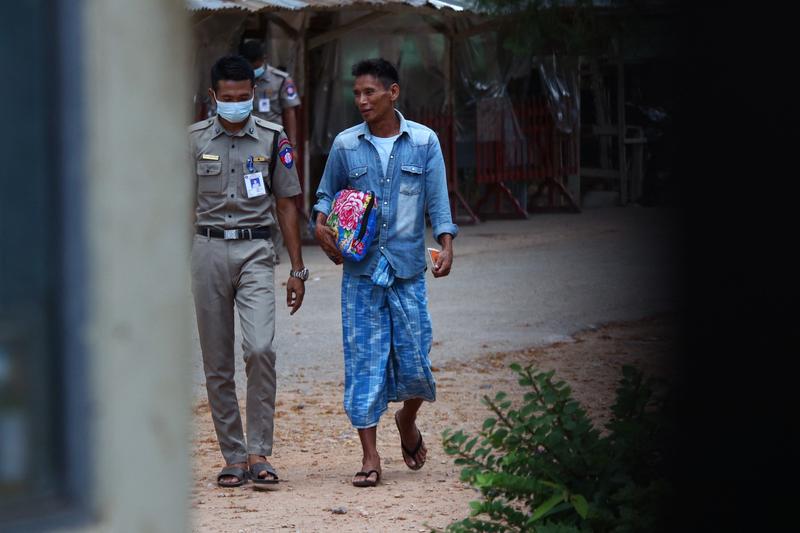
<point x="242" y="164"/>
<point x="276" y="94"/>
<point x="275" y="99"/>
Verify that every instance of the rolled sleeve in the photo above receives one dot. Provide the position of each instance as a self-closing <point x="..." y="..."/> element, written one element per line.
<point x="438" y="200"/>
<point x="441" y="229"/>
<point x="323" y="206"/>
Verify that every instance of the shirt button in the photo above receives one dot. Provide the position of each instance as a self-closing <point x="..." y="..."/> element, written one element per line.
<point x="391" y="157"/>
<point x="233" y="170"/>
<point x="381" y="247"/>
<point x="384" y="225"/>
<point x="233" y="146"/>
<point x="231" y="196"/>
<point x="385" y="203"/>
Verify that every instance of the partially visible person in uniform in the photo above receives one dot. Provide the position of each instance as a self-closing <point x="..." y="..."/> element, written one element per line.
<point x="275" y="99"/>
<point x="242" y="165"/>
<point x="276" y="94"/>
<point x="386" y="327"/>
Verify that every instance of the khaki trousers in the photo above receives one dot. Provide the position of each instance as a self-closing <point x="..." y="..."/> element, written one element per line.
<point x="239" y="272"/>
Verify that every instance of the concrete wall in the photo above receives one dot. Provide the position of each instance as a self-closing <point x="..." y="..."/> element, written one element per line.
<point x="138" y="332"/>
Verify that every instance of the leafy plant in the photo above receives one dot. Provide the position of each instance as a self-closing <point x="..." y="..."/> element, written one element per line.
<point x="544" y="467"/>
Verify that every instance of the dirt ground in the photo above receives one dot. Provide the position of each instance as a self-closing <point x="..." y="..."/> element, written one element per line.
<point x="317" y="452"/>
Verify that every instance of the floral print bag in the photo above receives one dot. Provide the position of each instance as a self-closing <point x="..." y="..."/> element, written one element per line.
<point x="354" y="217"/>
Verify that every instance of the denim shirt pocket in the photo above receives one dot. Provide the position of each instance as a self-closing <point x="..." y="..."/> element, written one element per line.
<point x="355" y="178"/>
<point x="411" y="179"/>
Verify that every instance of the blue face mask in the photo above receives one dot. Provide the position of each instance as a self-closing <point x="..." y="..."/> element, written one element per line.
<point x="259" y="71"/>
<point x="234" y="111"/>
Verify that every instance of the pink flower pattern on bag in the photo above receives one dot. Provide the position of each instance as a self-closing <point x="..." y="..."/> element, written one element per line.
<point x="349" y="209"/>
<point x="353" y="217"/>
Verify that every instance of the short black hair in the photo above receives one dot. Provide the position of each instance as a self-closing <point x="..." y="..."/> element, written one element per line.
<point x="378" y="67"/>
<point x="251" y="50"/>
<point x="234" y="68"/>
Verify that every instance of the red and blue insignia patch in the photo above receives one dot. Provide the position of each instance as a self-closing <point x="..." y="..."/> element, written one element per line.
<point x="291" y="92"/>
<point x="286" y="153"/>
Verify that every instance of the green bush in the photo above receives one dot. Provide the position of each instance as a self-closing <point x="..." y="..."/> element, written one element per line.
<point x="545" y="468"/>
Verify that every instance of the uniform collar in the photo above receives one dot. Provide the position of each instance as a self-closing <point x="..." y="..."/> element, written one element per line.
<point x="403" y="127"/>
<point x="249" y="128"/>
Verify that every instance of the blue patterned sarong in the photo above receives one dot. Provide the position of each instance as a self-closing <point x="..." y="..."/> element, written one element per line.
<point x="387" y="338"/>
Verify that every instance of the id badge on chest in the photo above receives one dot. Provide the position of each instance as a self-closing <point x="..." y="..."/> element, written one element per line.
<point x="254" y="184"/>
<point x="263" y="105"/>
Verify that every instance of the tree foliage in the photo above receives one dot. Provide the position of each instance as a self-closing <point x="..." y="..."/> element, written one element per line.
<point x="573" y="28"/>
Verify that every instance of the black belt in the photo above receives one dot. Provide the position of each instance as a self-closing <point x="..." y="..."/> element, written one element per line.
<point x="234" y="234"/>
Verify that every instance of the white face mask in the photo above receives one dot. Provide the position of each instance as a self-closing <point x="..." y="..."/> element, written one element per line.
<point x="234" y="111"/>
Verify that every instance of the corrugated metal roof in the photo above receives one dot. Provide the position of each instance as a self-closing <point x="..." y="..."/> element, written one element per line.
<point x="455" y="5"/>
<point x="257" y="5"/>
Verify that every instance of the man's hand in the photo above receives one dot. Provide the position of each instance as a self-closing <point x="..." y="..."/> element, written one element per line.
<point x="445" y="260"/>
<point x="326" y="237"/>
<point x="295" y="290"/>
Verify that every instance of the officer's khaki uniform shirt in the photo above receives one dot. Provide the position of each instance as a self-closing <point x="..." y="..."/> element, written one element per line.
<point x="220" y="163"/>
<point x="274" y="90"/>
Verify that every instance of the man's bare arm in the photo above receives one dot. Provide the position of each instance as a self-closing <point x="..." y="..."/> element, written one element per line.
<point x="287" y="218"/>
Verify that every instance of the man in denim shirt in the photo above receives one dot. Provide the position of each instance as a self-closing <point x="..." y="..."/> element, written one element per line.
<point x="385" y="322"/>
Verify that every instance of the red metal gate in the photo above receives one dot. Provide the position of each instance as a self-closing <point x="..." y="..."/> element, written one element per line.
<point x="518" y="142"/>
<point x="444" y="126"/>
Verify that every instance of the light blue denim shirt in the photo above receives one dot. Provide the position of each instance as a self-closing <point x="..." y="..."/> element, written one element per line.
<point x="415" y="182"/>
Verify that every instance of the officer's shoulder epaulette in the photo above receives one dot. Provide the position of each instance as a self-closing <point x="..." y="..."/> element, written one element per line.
<point x="203" y="124"/>
<point x="267" y="124"/>
<point x="280" y="73"/>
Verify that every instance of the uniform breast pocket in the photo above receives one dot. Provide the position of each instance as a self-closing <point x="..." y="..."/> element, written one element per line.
<point x="411" y="176"/>
<point x="209" y="177"/>
<point x="356" y="177"/>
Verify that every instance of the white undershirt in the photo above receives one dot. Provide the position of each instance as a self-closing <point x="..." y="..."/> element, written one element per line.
<point x="384" y="146"/>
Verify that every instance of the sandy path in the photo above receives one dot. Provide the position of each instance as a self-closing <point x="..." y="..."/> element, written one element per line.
<point x="317" y="452"/>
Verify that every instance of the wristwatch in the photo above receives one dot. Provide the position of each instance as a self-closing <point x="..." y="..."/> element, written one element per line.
<point x="299" y="274"/>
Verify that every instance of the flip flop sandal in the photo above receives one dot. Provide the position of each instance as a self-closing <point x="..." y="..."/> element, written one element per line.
<point x="268" y="483"/>
<point x="411" y="454"/>
<point x="235" y="471"/>
<point x="366" y="482"/>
